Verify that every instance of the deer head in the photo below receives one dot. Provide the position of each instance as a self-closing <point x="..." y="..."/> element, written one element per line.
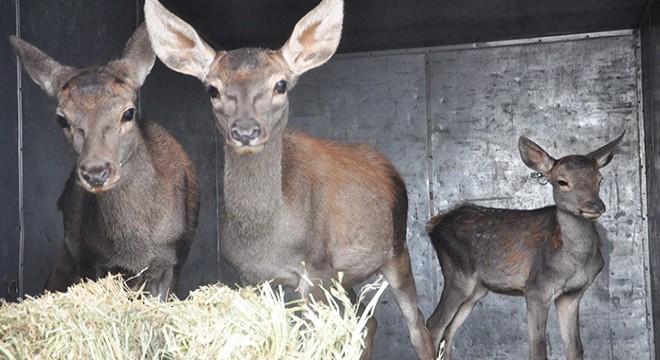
<point x="96" y="106"/>
<point x="248" y="87"/>
<point x="575" y="179"/>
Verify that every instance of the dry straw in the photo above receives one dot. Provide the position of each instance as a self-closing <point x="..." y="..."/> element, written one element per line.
<point x="104" y="320"/>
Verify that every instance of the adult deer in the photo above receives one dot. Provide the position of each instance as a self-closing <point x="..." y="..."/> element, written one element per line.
<point x="132" y="199"/>
<point x="547" y="255"/>
<point x="295" y="207"/>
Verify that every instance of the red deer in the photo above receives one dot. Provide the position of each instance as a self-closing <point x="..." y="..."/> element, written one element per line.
<point x="132" y="199"/>
<point x="295" y="207"/>
<point x="547" y="255"/>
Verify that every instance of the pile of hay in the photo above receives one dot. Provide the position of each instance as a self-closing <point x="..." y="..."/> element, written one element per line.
<point x="104" y="320"/>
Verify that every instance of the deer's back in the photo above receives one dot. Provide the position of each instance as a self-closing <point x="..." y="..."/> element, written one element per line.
<point x="351" y="196"/>
<point x="502" y="247"/>
<point x="148" y="220"/>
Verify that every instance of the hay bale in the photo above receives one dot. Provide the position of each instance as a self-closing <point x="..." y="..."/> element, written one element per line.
<point x="105" y="320"/>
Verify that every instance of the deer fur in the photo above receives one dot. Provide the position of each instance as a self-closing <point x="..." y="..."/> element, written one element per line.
<point x="297" y="210"/>
<point x="547" y="255"/>
<point x="131" y="202"/>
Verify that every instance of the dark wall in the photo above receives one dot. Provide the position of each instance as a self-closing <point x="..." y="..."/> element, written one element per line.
<point x="9" y="221"/>
<point x="651" y="89"/>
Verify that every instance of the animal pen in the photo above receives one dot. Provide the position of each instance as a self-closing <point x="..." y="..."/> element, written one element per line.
<point x="443" y="89"/>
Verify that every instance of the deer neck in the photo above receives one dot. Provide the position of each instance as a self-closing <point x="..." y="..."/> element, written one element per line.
<point x="578" y="233"/>
<point x="253" y="182"/>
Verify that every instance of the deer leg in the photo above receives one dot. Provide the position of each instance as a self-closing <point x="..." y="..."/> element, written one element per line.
<point x="165" y="283"/>
<point x="460" y="316"/>
<point x="64" y="272"/>
<point x="402" y="284"/>
<point x="537" y="319"/>
<point x="568" y="306"/>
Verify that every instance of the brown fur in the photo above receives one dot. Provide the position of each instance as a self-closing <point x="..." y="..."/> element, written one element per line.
<point x="297" y="210"/>
<point x="547" y="255"/>
<point x="131" y="203"/>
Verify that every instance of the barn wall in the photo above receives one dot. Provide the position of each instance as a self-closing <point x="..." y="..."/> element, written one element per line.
<point x="9" y="220"/>
<point x="569" y="96"/>
<point x="650" y="31"/>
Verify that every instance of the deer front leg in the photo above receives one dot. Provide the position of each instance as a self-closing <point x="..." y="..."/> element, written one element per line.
<point x="568" y="306"/>
<point x="64" y="272"/>
<point x="537" y="318"/>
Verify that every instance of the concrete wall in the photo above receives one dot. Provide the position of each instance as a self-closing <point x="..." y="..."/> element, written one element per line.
<point x="464" y="109"/>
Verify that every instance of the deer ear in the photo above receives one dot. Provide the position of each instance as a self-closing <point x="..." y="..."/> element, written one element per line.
<point x="138" y="58"/>
<point x="315" y="38"/>
<point x="534" y="156"/>
<point x="45" y="71"/>
<point x="604" y="155"/>
<point x="176" y="43"/>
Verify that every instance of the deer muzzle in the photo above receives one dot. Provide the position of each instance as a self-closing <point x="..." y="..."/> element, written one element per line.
<point x="246" y="136"/>
<point x="592" y="209"/>
<point x="97" y="175"/>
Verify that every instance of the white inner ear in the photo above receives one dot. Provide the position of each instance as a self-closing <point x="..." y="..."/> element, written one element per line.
<point x="315" y="37"/>
<point x="176" y="43"/>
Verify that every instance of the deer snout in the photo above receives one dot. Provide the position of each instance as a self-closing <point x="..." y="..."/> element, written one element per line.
<point x="245" y="131"/>
<point x="95" y="175"/>
<point x="592" y="209"/>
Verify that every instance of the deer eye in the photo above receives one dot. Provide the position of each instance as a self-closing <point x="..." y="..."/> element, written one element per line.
<point x="128" y="115"/>
<point x="213" y="91"/>
<point x="61" y="121"/>
<point x="562" y="182"/>
<point x="280" y="87"/>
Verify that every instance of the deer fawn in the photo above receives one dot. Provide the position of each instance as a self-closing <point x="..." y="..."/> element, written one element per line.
<point x="295" y="207"/>
<point x="549" y="254"/>
<point x="132" y="199"/>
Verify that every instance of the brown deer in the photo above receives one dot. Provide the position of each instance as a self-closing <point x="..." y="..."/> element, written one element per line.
<point x="132" y="199"/>
<point x="295" y="207"/>
<point x="547" y="255"/>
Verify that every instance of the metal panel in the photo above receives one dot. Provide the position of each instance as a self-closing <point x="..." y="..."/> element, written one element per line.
<point x="570" y="97"/>
<point x="185" y="111"/>
<point x="9" y="221"/>
<point x="651" y="81"/>
<point x="74" y="33"/>
<point x="371" y="25"/>
<point x="381" y="101"/>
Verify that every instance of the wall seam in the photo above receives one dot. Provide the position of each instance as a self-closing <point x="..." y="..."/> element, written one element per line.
<point x="19" y="132"/>
<point x="429" y="167"/>
<point x="643" y="196"/>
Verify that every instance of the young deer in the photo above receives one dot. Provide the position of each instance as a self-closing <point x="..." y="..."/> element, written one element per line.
<point x="132" y="199"/>
<point x="549" y="254"/>
<point x="295" y="207"/>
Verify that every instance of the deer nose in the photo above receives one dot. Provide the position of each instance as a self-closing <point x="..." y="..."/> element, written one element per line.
<point x="592" y="209"/>
<point x="245" y="130"/>
<point x="95" y="175"/>
<point x="596" y="206"/>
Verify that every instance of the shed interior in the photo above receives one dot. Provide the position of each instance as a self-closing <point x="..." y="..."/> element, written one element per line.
<point x="443" y="88"/>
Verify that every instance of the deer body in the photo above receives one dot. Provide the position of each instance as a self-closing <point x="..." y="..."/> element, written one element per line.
<point x="297" y="210"/>
<point x="547" y="255"/>
<point x="132" y="200"/>
<point x="303" y="217"/>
